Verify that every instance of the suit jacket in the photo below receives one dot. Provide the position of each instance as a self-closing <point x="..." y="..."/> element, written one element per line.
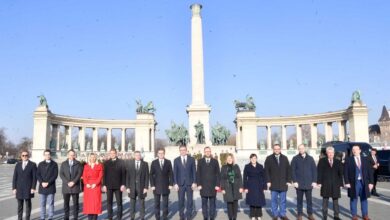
<point x="161" y="179"/>
<point x="208" y="176"/>
<point x="75" y="176"/>
<point x="24" y="180"/>
<point x="350" y="177"/>
<point x="47" y="172"/>
<point x="114" y="174"/>
<point x="304" y="171"/>
<point x="278" y="175"/>
<point x="184" y="175"/>
<point x="137" y="181"/>
<point x="330" y="177"/>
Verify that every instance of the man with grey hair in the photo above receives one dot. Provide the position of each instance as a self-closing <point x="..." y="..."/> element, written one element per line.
<point x="330" y="179"/>
<point x="304" y="176"/>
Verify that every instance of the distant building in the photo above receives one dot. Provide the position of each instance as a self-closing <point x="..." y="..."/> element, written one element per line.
<point x="380" y="133"/>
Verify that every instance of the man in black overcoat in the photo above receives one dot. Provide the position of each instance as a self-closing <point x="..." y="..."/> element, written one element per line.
<point x="24" y="183"/>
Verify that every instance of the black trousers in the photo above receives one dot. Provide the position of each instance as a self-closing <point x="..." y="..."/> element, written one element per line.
<point x="336" y="208"/>
<point x="256" y="211"/>
<point x="208" y="207"/>
<point x="375" y="180"/>
<point x="20" y="208"/>
<point x="232" y="209"/>
<point x="308" y="195"/>
<point x="133" y="203"/>
<point x="118" y="198"/>
<point x="75" y="198"/>
<point x="157" y="202"/>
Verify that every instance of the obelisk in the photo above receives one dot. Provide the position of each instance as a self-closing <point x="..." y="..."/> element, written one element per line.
<point x="198" y="111"/>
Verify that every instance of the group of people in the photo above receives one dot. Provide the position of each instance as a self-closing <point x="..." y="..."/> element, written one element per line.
<point x="134" y="177"/>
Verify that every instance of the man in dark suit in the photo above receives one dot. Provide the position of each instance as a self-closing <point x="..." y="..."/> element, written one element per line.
<point x="161" y="181"/>
<point x="114" y="181"/>
<point x="208" y="180"/>
<point x="70" y="173"/>
<point x="137" y="183"/>
<point x="278" y="174"/>
<point x="330" y="180"/>
<point x="23" y="183"/>
<point x="185" y="181"/>
<point x="375" y="166"/>
<point x="359" y="180"/>
<point x="47" y="174"/>
<point x="304" y="176"/>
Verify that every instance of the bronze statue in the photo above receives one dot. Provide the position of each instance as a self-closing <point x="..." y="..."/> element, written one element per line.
<point x="248" y="105"/>
<point x="199" y="133"/>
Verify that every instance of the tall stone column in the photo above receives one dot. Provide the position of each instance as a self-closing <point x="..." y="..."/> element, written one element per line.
<point x="41" y="133"/>
<point x="58" y="138"/>
<point x="269" y="137"/>
<point x="341" y="127"/>
<point x="328" y="131"/>
<point x="95" y="139"/>
<point x="198" y="111"/>
<point x="68" y="136"/>
<point x="314" y="135"/>
<point x="299" y="134"/>
<point x="123" y="139"/>
<point x="284" y="137"/>
<point x="358" y="122"/>
<point x="82" y="138"/>
<point x="109" y="135"/>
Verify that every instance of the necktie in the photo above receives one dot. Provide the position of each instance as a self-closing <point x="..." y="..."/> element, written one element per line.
<point x="161" y="164"/>
<point x="358" y="162"/>
<point x="70" y="167"/>
<point x="277" y="159"/>
<point x="137" y="166"/>
<point x="184" y="161"/>
<point x="24" y="165"/>
<point x="331" y="163"/>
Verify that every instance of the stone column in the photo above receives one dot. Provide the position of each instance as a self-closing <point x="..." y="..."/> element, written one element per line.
<point x="284" y="137"/>
<point x="238" y="136"/>
<point x="95" y="137"/>
<point x="152" y="137"/>
<point x="54" y="136"/>
<point x="58" y="137"/>
<point x="82" y="138"/>
<point x="269" y="137"/>
<point x="328" y="131"/>
<point x="341" y="127"/>
<point x="41" y="133"/>
<point x="299" y="134"/>
<point x="109" y="135"/>
<point x="68" y="132"/>
<point x="314" y="135"/>
<point x="123" y="137"/>
<point x="358" y="122"/>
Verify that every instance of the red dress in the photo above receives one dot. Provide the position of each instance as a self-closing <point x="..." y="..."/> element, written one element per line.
<point x="92" y="197"/>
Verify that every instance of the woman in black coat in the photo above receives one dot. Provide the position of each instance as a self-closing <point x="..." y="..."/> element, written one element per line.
<point x="254" y="185"/>
<point x="231" y="186"/>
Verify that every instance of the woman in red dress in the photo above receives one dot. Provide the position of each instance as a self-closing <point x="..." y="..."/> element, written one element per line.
<point x="92" y="178"/>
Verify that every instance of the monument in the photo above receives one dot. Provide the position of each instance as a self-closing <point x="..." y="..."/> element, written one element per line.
<point x="198" y="111"/>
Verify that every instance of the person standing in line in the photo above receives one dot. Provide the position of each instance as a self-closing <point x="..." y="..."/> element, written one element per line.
<point x="47" y="174"/>
<point x="375" y="166"/>
<point x="359" y="180"/>
<point x="254" y="186"/>
<point x="161" y="182"/>
<point x="208" y="180"/>
<point x="70" y="173"/>
<point x="137" y="183"/>
<point x="330" y="180"/>
<point x="184" y="170"/>
<point x="304" y="176"/>
<point x="231" y="186"/>
<point x="278" y="173"/>
<point x="24" y="183"/>
<point x="114" y="181"/>
<point x="92" y="178"/>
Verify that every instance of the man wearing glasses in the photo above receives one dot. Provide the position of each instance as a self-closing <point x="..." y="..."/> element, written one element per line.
<point x="24" y="183"/>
